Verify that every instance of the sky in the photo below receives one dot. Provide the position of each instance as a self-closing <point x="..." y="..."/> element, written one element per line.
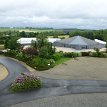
<point x="84" y="14"/>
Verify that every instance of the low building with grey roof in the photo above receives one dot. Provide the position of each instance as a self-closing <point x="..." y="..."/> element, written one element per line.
<point x="78" y="43"/>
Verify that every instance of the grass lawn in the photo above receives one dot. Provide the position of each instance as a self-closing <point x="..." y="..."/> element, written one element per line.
<point x="1" y="47"/>
<point x="35" y="30"/>
<point x="27" y="30"/>
<point x="66" y="36"/>
<point x="62" y="60"/>
<point x="6" y="29"/>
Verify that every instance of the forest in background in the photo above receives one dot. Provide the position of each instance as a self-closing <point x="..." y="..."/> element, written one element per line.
<point x="16" y="33"/>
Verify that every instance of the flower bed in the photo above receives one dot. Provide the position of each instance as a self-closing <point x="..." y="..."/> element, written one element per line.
<point x="26" y="82"/>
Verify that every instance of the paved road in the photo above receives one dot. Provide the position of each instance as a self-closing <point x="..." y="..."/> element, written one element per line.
<point x="50" y="88"/>
<point x="14" y="69"/>
<point x="74" y="100"/>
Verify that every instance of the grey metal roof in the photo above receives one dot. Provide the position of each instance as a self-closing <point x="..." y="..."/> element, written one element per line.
<point x="77" y="40"/>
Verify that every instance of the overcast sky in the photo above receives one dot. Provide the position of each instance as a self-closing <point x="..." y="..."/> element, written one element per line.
<point x="88" y="14"/>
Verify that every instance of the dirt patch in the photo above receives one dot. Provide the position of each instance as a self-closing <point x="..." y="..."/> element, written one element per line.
<point x="3" y="72"/>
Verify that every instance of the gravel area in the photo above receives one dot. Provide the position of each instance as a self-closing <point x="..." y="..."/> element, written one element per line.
<point x="82" y="68"/>
<point x="3" y="72"/>
<point x="74" y="100"/>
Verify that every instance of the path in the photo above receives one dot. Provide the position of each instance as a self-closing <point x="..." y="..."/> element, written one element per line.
<point x="14" y="69"/>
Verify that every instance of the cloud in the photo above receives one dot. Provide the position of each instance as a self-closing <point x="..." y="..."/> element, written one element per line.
<point x="54" y="13"/>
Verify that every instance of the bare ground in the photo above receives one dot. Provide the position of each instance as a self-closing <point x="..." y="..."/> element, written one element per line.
<point x="3" y="72"/>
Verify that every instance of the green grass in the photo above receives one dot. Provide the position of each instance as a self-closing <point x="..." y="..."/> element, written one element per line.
<point x="35" y="30"/>
<point x="26" y="30"/>
<point x="60" y="36"/>
<point x="1" y="47"/>
<point x="7" y="29"/>
<point x="62" y="60"/>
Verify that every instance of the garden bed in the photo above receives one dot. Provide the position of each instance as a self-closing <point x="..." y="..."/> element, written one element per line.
<point x="25" y="82"/>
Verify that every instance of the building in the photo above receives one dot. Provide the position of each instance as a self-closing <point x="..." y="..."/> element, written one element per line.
<point x="78" y="43"/>
<point x="28" y="41"/>
<point x="100" y="41"/>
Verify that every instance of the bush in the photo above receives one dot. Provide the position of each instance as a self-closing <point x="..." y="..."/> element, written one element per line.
<point x="41" y="63"/>
<point x="1" y="53"/>
<point x="93" y="54"/>
<point x="43" y="52"/>
<point x="71" y="54"/>
<point x="57" y="56"/>
<point x="105" y="55"/>
<point x="11" y="53"/>
<point x="98" y="54"/>
<point x="30" y="51"/>
<point x="19" y="56"/>
<point x="25" y="82"/>
<point x="85" y="53"/>
<point x="79" y="54"/>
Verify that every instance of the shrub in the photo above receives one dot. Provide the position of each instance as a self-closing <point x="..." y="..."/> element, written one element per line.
<point x="43" y="52"/>
<point x="71" y="54"/>
<point x="101" y="54"/>
<point x="41" y="63"/>
<point x="19" y="56"/>
<point x="26" y="82"/>
<point x="79" y="54"/>
<point x="105" y="55"/>
<point x="57" y="56"/>
<point x="98" y="54"/>
<point x="1" y="53"/>
<point x="85" y="53"/>
<point x="62" y="38"/>
<point x="11" y="53"/>
<point x="93" y="54"/>
<point x="23" y="57"/>
<point x="30" y="51"/>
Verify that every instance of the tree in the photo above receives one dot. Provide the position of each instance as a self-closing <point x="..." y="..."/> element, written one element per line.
<point x="43" y="47"/>
<point x="12" y="44"/>
<point x="23" y="34"/>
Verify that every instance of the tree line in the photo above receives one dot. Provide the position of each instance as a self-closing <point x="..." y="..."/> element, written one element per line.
<point x="91" y="34"/>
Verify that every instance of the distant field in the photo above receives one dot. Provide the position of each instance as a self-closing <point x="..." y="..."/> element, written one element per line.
<point x="6" y="29"/>
<point x="36" y="30"/>
<point x="60" y="36"/>
<point x="26" y="30"/>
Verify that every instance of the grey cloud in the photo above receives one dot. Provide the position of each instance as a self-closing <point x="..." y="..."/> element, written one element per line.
<point x="54" y="13"/>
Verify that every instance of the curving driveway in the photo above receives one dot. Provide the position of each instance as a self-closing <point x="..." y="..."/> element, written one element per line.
<point x="51" y="87"/>
<point x="14" y="69"/>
